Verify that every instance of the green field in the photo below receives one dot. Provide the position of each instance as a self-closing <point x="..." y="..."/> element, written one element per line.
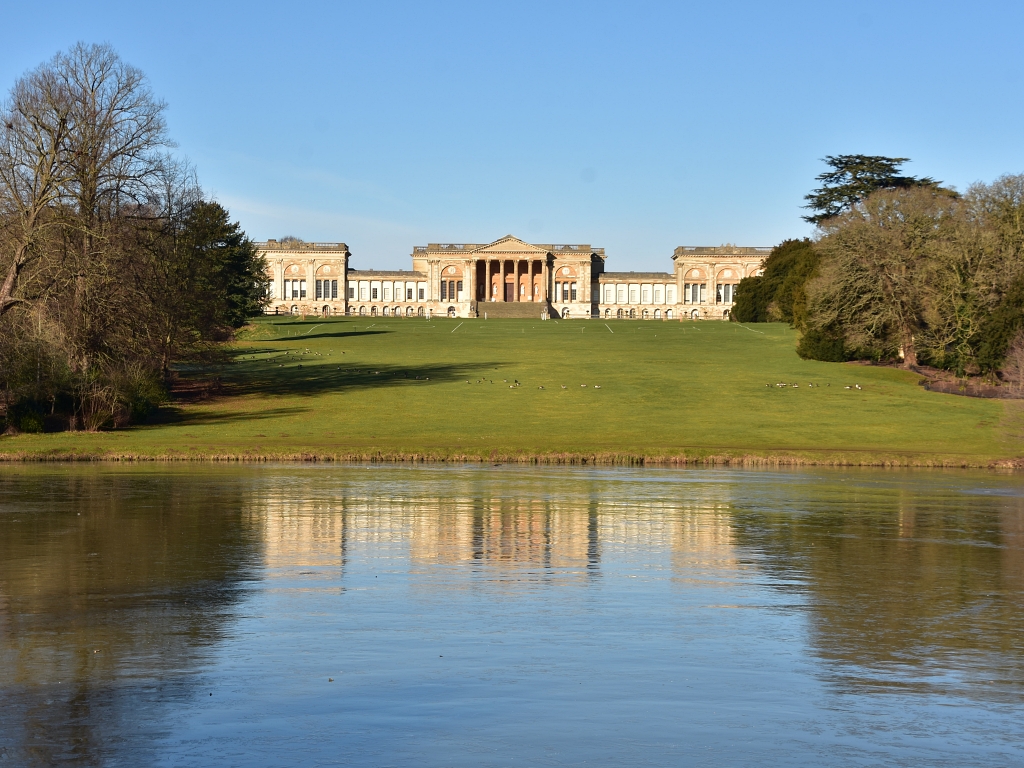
<point x="359" y="388"/>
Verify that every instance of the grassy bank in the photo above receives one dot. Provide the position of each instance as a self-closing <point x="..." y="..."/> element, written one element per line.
<point x="693" y="392"/>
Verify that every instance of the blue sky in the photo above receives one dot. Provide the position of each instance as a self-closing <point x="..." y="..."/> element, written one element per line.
<point x="633" y="126"/>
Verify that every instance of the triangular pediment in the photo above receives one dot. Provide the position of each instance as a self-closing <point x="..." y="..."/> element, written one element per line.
<point x="511" y="244"/>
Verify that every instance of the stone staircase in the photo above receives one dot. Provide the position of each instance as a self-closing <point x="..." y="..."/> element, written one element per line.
<point x="525" y="310"/>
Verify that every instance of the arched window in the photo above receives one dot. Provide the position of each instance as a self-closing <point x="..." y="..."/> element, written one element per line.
<point x="421" y="312"/>
<point x="657" y="314"/>
<point x="385" y="311"/>
<point x="645" y="314"/>
<point x="695" y="315"/>
<point x="565" y="312"/>
<point x="632" y="313"/>
<point x="373" y="311"/>
<point x="325" y="311"/>
<point x="607" y="313"/>
<point x="618" y="314"/>
<point x="451" y="311"/>
<point x="362" y="310"/>
<point x="295" y="310"/>
<point x="668" y="314"/>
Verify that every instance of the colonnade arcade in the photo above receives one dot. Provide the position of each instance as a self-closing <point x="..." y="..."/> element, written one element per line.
<point x="511" y="279"/>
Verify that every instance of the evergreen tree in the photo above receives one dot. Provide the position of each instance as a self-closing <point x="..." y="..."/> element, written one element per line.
<point x="853" y="178"/>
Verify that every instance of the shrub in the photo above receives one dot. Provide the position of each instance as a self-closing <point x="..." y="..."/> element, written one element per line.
<point x="822" y="344"/>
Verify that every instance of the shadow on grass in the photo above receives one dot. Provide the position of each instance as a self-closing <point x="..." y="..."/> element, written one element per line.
<point x="174" y="415"/>
<point x="252" y="377"/>
<point x="326" y="329"/>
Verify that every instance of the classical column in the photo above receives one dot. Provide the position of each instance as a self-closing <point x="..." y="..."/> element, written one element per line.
<point x="469" y="268"/>
<point x="712" y="284"/>
<point x="311" y="280"/>
<point x="680" y="285"/>
<point x="501" y="280"/>
<point x="518" y="290"/>
<point x="279" y="281"/>
<point x="544" y="280"/>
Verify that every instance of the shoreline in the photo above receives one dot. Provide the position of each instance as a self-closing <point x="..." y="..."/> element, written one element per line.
<point x="837" y="459"/>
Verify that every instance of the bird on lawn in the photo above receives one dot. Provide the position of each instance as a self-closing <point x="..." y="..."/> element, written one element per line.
<point x="857" y="386"/>
<point x="563" y="386"/>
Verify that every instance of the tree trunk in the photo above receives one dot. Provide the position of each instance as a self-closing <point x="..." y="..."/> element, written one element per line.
<point x="909" y="351"/>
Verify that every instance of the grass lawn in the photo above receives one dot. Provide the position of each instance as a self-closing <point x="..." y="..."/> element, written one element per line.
<point x="360" y="387"/>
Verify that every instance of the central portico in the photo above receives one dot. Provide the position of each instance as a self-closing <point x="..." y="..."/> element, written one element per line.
<point x="511" y="271"/>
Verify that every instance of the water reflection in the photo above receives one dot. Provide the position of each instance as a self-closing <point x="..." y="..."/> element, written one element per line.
<point x="909" y="576"/>
<point x="110" y="588"/>
<point x="127" y="593"/>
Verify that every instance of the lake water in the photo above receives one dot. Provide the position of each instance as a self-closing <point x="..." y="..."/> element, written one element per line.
<point x="504" y="616"/>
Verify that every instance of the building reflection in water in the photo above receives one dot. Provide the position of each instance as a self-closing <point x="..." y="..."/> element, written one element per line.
<point x="504" y="533"/>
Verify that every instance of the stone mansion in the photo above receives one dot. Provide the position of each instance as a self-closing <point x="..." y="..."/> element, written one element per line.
<point x="506" y="278"/>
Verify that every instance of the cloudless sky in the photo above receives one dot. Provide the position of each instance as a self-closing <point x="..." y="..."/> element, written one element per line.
<point x="633" y="126"/>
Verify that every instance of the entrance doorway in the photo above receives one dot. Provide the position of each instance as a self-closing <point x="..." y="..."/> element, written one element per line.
<point x="510" y="291"/>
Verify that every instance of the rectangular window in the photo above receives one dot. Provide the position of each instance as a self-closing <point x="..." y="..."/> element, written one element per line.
<point x="295" y="289"/>
<point x="632" y="296"/>
<point x="319" y="289"/>
<point x="408" y="294"/>
<point x="703" y="292"/>
<point x="572" y="295"/>
<point x="657" y="296"/>
<point x="444" y="291"/>
<point x="670" y="295"/>
<point x="458" y="290"/>
<point x="334" y="289"/>
<point x="352" y="292"/>
<point x="565" y="291"/>
<point x="728" y="294"/>
<point x="718" y="294"/>
<point x="302" y="289"/>
<point x="373" y="294"/>
<point x="421" y="294"/>
<point x="647" y="297"/>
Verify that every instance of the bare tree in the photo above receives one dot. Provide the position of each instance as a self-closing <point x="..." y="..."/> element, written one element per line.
<point x="875" y="269"/>
<point x="35" y="126"/>
<point x="1013" y="368"/>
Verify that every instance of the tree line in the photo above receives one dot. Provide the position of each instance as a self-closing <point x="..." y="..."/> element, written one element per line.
<point x="113" y="262"/>
<point x="901" y="270"/>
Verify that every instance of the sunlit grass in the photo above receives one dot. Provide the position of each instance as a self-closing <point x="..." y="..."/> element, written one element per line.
<point x="359" y="387"/>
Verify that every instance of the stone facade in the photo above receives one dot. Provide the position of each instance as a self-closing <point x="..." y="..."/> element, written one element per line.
<point x="506" y="278"/>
